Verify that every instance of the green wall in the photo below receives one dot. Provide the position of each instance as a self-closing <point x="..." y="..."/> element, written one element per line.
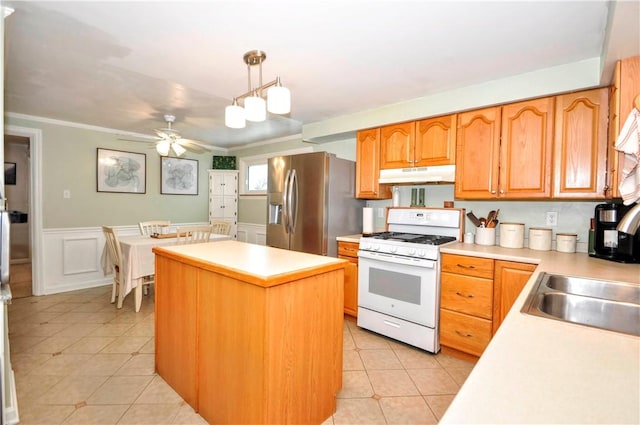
<point x="69" y="163"/>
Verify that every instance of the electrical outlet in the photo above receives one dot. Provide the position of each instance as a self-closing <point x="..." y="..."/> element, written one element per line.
<point x="551" y="218"/>
<point x="66" y="194"/>
<point x="380" y="212"/>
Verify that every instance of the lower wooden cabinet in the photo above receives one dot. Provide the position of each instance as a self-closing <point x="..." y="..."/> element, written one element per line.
<point x="349" y="251"/>
<point x="476" y="295"/>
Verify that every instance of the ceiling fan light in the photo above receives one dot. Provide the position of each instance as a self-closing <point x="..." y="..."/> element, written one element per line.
<point x="178" y="149"/>
<point x="162" y="147"/>
<point x="234" y="115"/>
<point x="278" y="99"/>
<point x="255" y="108"/>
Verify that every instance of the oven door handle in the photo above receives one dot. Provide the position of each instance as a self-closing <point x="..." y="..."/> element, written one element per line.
<point x="397" y="259"/>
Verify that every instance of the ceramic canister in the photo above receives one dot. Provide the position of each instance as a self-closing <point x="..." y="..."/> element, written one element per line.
<point x="540" y="238"/>
<point x="512" y="235"/>
<point x="566" y="242"/>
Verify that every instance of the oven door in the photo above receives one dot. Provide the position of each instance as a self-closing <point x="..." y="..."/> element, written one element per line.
<point x="402" y="287"/>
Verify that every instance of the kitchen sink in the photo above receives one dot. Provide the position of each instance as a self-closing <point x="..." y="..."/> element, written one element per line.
<point x="612" y="306"/>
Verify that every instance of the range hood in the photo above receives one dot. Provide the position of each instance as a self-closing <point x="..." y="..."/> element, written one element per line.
<point x="436" y="174"/>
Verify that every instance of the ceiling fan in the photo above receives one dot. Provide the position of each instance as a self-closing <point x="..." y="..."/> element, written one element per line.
<point x="170" y="140"/>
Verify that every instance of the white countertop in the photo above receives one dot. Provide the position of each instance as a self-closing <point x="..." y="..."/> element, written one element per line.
<point x="257" y="263"/>
<point x="538" y="370"/>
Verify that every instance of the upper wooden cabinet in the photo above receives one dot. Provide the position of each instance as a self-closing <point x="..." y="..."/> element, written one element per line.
<point x="368" y="166"/>
<point x="422" y="143"/>
<point x="505" y="151"/>
<point x="625" y="87"/>
<point x="580" y="152"/>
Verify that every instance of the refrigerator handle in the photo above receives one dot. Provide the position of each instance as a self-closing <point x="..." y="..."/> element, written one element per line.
<point x="293" y="200"/>
<point x="4" y="253"/>
<point x="285" y="196"/>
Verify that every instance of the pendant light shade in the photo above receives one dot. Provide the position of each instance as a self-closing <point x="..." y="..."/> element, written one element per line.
<point x="178" y="149"/>
<point x="162" y="147"/>
<point x="234" y="115"/>
<point x="278" y="99"/>
<point x="255" y="108"/>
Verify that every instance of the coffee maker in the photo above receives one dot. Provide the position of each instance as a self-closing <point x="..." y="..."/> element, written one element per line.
<point x="609" y="243"/>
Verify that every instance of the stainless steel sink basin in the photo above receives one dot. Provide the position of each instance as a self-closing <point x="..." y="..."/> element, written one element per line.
<point x="601" y="304"/>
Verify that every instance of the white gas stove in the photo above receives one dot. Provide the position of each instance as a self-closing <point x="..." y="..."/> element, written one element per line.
<point x="399" y="274"/>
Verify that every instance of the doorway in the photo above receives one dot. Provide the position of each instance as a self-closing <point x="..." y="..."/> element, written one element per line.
<point x="17" y="159"/>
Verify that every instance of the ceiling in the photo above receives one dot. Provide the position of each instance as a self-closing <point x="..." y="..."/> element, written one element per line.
<point x="123" y="65"/>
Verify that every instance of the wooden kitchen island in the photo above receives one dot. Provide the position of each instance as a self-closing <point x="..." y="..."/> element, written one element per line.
<point x="249" y="334"/>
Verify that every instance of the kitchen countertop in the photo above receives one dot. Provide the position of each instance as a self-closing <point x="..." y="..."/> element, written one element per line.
<point x="538" y="370"/>
<point x="350" y="238"/>
<point x="258" y="264"/>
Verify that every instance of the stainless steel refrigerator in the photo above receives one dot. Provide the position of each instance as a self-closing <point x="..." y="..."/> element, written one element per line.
<point x="310" y="201"/>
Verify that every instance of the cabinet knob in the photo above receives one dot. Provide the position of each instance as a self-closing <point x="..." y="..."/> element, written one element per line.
<point x="464" y="334"/>
<point x="493" y="192"/>
<point x="501" y="191"/>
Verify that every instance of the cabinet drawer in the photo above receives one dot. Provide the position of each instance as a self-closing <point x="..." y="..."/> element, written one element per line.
<point x="467" y="294"/>
<point x="470" y="266"/>
<point x="463" y="332"/>
<point x="348" y="249"/>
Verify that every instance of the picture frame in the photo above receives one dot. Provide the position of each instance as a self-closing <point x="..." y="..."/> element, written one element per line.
<point x="120" y="171"/>
<point x="10" y="173"/>
<point x="178" y="176"/>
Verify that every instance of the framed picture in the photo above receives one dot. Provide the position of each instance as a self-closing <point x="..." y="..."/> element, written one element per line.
<point x="122" y="172"/>
<point x="178" y="176"/>
<point x="9" y="173"/>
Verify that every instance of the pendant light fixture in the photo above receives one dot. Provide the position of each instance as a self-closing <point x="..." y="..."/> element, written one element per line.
<point x="255" y="107"/>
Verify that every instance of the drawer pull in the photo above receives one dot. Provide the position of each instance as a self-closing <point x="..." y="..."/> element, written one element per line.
<point x="466" y="267"/>
<point x="465" y="335"/>
<point x="464" y="295"/>
<point x="392" y="324"/>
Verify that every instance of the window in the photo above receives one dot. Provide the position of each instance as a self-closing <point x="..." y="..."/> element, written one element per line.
<point x="254" y="169"/>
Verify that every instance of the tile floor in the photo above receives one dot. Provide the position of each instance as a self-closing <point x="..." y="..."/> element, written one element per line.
<point x="79" y="360"/>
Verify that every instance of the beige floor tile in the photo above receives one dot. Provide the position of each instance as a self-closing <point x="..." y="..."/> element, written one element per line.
<point x="39" y="317"/>
<point x="72" y="390"/>
<point x="149" y="347"/>
<point x="347" y="340"/>
<point x="407" y="410"/>
<point x="187" y="416"/>
<point x="141" y="364"/>
<point x="102" y="364"/>
<point x="358" y="411"/>
<point x="112" y="329"/>
<point x="89" y="307"/>
<point x="392" y="383"/>
<point x="141" y="329"/>
<point x="24" y="363"/>
<point x="448" y="361"/>
<point x="158" y="392"/>
<point x="39" y="414"/>
<point x="80" y="329"/>
<point x="416" y="359"/>
<point x="63" y="364"/>
<point x="380" y="359"/>
<point x="35" y="329"/>
<point x="90" y="344"/>
<point x="355" y="383"/>
<point x="61" y="307"/>
<point x="70" y="317"/>
<point x="126" y="344"/>
<point x="459" y="374"/>
<point x="152" y="414"/>
<point x="21" y="344"/>
<point x="329" y="421"/>
<point x="32" y="387"/>
<point x="97" y="415"/>
<point x="433" y="381"/>
<point x="351" y="360"/>
<point x="53" y="344"/>
<point x="366" y="340"/>
<point x="120" y="390"/>
<point x="439" y="403"/>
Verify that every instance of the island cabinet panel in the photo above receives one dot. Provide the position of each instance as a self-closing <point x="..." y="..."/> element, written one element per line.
<point x="175" y="326"/>
<point x="255" y="354"/>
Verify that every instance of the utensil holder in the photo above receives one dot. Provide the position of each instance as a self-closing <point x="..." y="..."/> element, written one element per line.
<point x="486" y="236"/>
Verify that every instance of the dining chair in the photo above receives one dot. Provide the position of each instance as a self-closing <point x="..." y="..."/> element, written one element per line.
<point x="221" y="227"/>
<point x="193" y="234"/>
<point x="115" y="256"/>
<point x="148" y="228"/>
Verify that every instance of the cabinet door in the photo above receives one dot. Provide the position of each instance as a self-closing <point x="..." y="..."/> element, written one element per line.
<point x="435" y="141"/>
<point x="368" y="166"/>
<point x="525" y="149"/>
<point x="509" y="279"/>
<point x="349" y="251"/>
<point x="396" y="145"/>
<point x="477" y="150"/>
<point x="224" y="184"/>
<point x="223" y="207"/>
<point x="581" y="145"/>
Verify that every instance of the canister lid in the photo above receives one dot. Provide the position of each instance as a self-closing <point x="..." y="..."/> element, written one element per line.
<point x="512" y="224"/>
<point x="566" y="234"/>
<point x="540" y="228"/>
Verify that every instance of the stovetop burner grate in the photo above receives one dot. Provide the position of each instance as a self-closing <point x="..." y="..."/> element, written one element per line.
<point x="412" y="238"/>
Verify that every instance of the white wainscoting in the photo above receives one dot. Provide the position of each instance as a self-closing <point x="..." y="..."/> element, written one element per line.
<point x="72" y="255"/>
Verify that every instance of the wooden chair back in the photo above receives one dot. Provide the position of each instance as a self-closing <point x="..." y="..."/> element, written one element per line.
<point x="221" y="227"/>
<point x="193" y="234"/>
<point x="148" y="228"/>
<point x="115" y="256"/>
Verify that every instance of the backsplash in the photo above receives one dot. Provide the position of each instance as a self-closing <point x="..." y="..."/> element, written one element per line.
<point x="573" y="216"/>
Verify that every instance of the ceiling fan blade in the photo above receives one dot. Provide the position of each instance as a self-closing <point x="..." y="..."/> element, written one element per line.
<point x="194" y="144"/>
<point x="137" y="141"/>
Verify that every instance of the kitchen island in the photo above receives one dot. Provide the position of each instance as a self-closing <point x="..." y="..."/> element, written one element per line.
<point x="538" y="370"/>
<point x="250" y="334"/>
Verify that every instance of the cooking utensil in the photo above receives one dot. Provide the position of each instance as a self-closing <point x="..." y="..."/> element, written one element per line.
<point x="483" y="222"/>
<point x="490" y="216"/>
<point x="494" y="223"/>
<point x="473" y="219"/>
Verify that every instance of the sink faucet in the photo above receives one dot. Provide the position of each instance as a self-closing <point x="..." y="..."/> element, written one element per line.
<point x="631" y="221"/>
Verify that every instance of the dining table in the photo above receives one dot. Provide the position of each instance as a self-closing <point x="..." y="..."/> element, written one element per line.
<point x="138" y="262"/>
